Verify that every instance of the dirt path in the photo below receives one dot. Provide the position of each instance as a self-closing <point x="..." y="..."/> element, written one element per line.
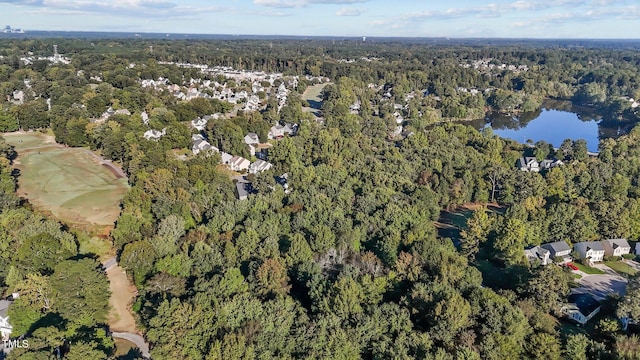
<point x="122" y="295"/>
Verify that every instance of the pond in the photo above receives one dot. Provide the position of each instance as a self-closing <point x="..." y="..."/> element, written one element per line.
<point x="554" y="122"/>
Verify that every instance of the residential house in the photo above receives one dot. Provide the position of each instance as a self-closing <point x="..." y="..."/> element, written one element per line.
<point x="538" y="254"/>
<point x="199" y="123"/>
<point x="202" y="145"/>
<point x="638" y="248"/>
<point x="279" y="131"/>
<point x="558" y="249"/>
<point x="259" y="166"/>
<point x="239" y="164"/>
<point x="145" y="117"/>
<point x="5" y="327"/>
<point x="590" y="250"/>
<point x="252" y="140"/>
<point x="226" y="158"/>
<point x="241" y="187"/>
<point x="616" y="247"/>
<point x="528" y="163"/>
<point x="154" y="135"/>
<point x="581" y="308"/>
<point x="548" y="163"/>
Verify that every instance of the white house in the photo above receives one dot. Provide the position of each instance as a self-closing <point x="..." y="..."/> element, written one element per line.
<point x="528" y="163"/>
<point x="5" y="327"/>
<point x="239" y="164"/>
<point x="616" y="247"/>
<point x="538" y="254"/>
<point x="590" y="250"/>
<point x="581" y="308"/>
<point x="154" y="135"/>
<point x="558" y="249"/>
<point x="251" y="139"/>
<point x="199" y="123"/>
<point x="259" y="166"/>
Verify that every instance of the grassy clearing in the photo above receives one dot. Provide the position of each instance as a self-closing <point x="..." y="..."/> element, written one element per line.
<point x="621" y="268"/>
<point x="68" y="182"/>
<point x="588" y="269"/>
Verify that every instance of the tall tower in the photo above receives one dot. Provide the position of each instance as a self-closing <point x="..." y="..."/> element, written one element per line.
<point x="55" y="50"/>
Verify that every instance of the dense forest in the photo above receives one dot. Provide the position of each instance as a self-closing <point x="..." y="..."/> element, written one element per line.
<point x="347" y="262"/>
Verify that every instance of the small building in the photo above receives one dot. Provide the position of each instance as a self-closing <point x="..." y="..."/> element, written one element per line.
<point x="5" y="327"/>
<point x="528" y="163"/>
<point x="547" y="164"/>
<point x="199" y="123"/>
<point x="616" y="247"/>
<point x="538" y="254"/>
<point x="259" y="166"/>
<point x="558" y="249"/>
<point x="251" y="139"/>
<point x="241" y="188"/>
<point x="581" y="308"/>
<point x="590" y="250"/>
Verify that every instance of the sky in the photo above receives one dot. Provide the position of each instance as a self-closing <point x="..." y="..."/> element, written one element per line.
<point x="597" y="19"/>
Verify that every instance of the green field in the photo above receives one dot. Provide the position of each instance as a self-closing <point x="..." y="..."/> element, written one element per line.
<point x="70" y="183"/>
<point x="621" y="268"/>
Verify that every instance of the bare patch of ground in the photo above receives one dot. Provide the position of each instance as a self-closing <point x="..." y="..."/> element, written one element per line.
<point x="122" y="295"/>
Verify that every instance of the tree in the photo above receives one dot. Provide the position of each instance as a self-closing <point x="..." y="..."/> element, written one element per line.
<point x="478" y="227"/>
<point x="543" y="346"/>
<point x="511" y="240"/>
<point x="81" y="291"/>
<point x="548" y="286"/>
<point x="272" y="278"/>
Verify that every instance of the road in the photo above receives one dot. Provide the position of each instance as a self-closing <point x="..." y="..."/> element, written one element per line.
<point x="137" y="340"/>
<point x="602" y="285"/>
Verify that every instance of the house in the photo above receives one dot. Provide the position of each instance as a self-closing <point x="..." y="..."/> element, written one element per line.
<point x="5" y="327"/>
<point x="590" y="250"/>
<point x="259" y="166"/>
<point x="638" y="248"/>
<point x="226" y="158"/>
<point x="251" y="139"/>
<point x="154" y="135"/>
<point x="558" y="249"/>
<point x="202" y="145"/>
<point x="528" y="163"/>
<point x="581" y="308"/>
<point x="239" y="164"/>
<point x="616" y="247"/>
<point x="241" y="187"/>
<point x="199" y="123"/>
<point x="549" y="164"/>
<point x="538" y="254"/>
<point x="279" y="131"/>
<point x="145" y="117"/>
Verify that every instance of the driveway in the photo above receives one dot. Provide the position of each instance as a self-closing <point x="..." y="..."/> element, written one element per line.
<point x="602" y="285"/>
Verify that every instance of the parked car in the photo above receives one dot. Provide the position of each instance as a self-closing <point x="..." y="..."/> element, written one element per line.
<point x="572" y="267"/>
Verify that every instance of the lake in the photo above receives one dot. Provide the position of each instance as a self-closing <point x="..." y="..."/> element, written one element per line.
<point x="553" y="123"/>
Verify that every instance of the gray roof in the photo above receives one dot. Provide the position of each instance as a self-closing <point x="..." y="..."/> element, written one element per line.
<point x="556" y="247"/>
<point x="242" y="191"/>
<point x="594" y="245"/>
<point x="4" y="306"/>
<point x="618" y="243"/>
<point x="584" y="302"/>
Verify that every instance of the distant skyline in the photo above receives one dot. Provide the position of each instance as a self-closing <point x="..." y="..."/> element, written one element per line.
<point x="545" y="19"/>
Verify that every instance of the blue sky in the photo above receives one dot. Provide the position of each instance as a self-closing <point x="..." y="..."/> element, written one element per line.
<point x="430" y="18"/>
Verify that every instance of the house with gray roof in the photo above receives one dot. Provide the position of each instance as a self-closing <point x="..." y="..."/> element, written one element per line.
<point x="528" y="163"/>
<point x="581" y="308"/>
<point x="538" y="254"/>
<point x="558" y="249"/>
<point x="590" y="250"/>
<point x="259" y="166"/>
<point x="616" y="247"/>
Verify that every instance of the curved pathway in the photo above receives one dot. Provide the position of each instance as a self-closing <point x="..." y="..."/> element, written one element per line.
<point x="121" y="320"/>
<point x="137" y="340"/>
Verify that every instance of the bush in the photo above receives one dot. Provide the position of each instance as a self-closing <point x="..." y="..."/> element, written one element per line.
<point x="629" y="256"/>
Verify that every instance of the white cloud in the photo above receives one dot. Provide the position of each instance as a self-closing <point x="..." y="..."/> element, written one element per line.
<point x="302" y="3"/>
<point x="350" y="11"/>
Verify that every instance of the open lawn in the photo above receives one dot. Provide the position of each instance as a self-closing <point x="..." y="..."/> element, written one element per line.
<point x="71" y="183"/>
<point x="621" y="268"/>
<point x="125" y="350"/>
<point x="588" y="269"/>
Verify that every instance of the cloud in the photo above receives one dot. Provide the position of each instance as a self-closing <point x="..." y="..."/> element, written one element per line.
<point x="124" y="8"/>
<point x="291" y="4"/>
<point x="350" y="11"/>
